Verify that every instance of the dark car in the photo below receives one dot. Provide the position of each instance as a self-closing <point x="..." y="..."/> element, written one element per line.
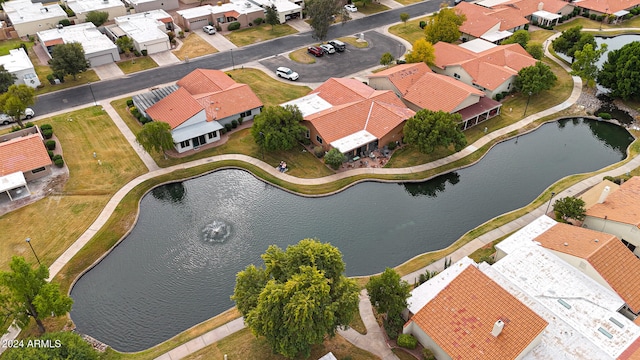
<point x="315" y="51"/>
<point x="338" y="45"/>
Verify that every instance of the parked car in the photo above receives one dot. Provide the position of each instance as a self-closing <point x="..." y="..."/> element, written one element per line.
<point x="351" y="8"/>
<point x="6" y="119"/>
<point x="285" y="72"/>
<point x="315" y="51"/>
<point x="209" y="29"/>
<point x="338" y="45"/>
<point x="328" y="49"/>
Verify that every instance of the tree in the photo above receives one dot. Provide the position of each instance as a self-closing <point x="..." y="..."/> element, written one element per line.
<point x="388" y="292"/>
<point x="299" y="297"/>
<point x="519" y="37"/>
<point x="429" y="129"/>
<point x="155" y="136"/>
<point x="68" y="59"/>
<point x="621" y="72"/>
<point x="386" y="59"/>
<point x="25" y="293"/>
<point x="404" y="17"/>
<point x="65" y="345"/>
<point x="278" y="128"/>
<point x="321" y="13"/>
<point x="97" y="17"/>
<point x="569" y="208"/>
<point x="535" y="79"/>
<point x="422" y="51"/>
<point x="271" y="16"/>
<point x="444" y="26"/>
<point x="535" y="50"/>
<point x="571" y="40"/>
<point x="6" y="79"/>
<point x="16" y="100"/>
<point x="585" y="63"/>
<point x="125" y="44"/>
<point x="334" y="158"/>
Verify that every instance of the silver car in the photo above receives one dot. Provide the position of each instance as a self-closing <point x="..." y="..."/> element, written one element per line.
<point x="209" y="29"/>
<point x="328" y="49"/>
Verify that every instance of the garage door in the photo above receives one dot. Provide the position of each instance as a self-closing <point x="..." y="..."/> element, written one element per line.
<point x="198" y="23"/>
<point x="157" y="47"/>
<point x="101" y="60"/>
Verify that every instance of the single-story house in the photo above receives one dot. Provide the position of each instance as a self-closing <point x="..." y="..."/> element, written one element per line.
<point x="23" y="157"/>
<point x="493" y="25"/>
<point x="352" y="117"/>
<point x="81" y="8"/>
<point x="619" y="8"/>
<point x="19" y="64"/>
<point x="148" y="30"/>
<point x="420" y="88"/>
<point x="286" y="9"/>
<point x="203" y="103"/>
<point x="28" y="18"/>
<point x="463" y="314"/>
<point x="486" y="66"/>
<point x="98" y="48"/>
<point x="546" y="12"/>
<point x="243" y="12"/>
<point x="616" y="212"/>
<point x="146" y="100"/>
<point x="148" y="5"/>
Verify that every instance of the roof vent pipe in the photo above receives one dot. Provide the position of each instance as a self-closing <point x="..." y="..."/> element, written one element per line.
<point x="605" y="193"/>
<point x="497" y="328"/>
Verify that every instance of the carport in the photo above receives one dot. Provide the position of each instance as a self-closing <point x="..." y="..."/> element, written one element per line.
<point x="15" y="184"/>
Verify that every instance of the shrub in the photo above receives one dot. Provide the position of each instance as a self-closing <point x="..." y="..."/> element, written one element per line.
<point x="223" y="131"/>
<point x="47" y="133"/>
<point x="136" y="53"/>
<point x="635" y="11"/>
<point x="233" y="26"/>
<point x="599" y="18"/>
<point x="56" y="157"/>
<point x="51" y="78"/>
<point x="50" y="144"/>
<point x="422" y="24"/>
<point x="334" y="158"/>
<point x="306" y="141"/>
<point x="393" y="326"/>
<point x="407" y="341"/>
<point x="187" y="30"/>
<point x="526" y="26"/>
<point x="29" y="125"/>
<point x="144" y="120"/>
<point x="50" y="154"/>
<point x="15" y="128"/>
<point x="181" y="34"/>
<point x="218" y="28"/>
<point x="258" y="21"/>
<point x="499" y="96"/>
<point x="240" y="120"/>
<point x="144" y="52"/>
<point x="318" y="151"/>
<point x="46" y="126"/>
<point x="593" y="16"/>
<point x="132" y="109"/>
<point x="59" y="162"/>
<point x="64" y="22"/>
<point x="228" y="127"/>
<point x="604" y="115"/>
<point x="427" y="354"/>
<point x="392" y="145"/>
<point x="129" y="102"/>
<point x="171" y="35"/>
<point x="234" y="123"/>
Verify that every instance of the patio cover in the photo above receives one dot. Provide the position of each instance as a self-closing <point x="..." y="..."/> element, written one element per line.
<point x="12" y="181"/>
<point x="353" y="141"/>
<point x="192" y="131"/>
<point x="546" y="15"/>
<point x="494" y="36"/>
<point x="620" y="13"/>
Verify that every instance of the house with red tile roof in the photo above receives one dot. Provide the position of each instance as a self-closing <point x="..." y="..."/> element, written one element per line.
<point x="420" y="88"/>
<point x="470" y="316"/>
<point x="203" y="103"/>
<point x="352" y="117"/>
<point x="493" y="25"/>
<point x="619" y="8"/>
<point x="546" y="12"/>
<point x="617" y="212"/>
<point x="485" y="66"/>
<point x="23" y="157"/>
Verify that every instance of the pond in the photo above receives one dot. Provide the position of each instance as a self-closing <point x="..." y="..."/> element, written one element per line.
<point x="177" y="267"/>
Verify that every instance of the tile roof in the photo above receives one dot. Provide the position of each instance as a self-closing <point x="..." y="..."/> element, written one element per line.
<point x="591" y="196"/>
<point x="632" y="352"/>
<point x="481" y="20"/>
<point x="618" y="266"/>
<point x="460" y="321"/>
<point x="175" y="108"/>
<point x="338" y="91"/>
<point x="440" y="92"/>
<point x="608" y="6"/>
<point x="23" y="153"/>
<point x="621" y="205"/>
<point x="403" y="76"/>
<point x="235" y="99"/>
<point x="528" y="7"/>
<point x="205" y="81"/>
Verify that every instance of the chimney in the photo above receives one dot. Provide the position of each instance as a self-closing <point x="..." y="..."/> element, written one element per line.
<point x="497" y="328"/>
<point x="540" y="6"/>
<point x="603" y="196"/>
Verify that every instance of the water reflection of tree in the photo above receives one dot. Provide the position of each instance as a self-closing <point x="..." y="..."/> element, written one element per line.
<point x="432" y="187"/>
<point x="172" y="193"/>
<point x="611" y="135"/>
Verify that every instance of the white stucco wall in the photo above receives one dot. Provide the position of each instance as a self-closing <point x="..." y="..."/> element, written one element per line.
<point x="627" y="232"/>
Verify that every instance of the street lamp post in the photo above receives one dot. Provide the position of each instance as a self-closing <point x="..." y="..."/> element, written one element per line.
<point x="263" y="140"/>
<point x="95" y="103"/>
<point x="549" y="204"/>
<point x="28" y="240"/>
<point x="528" y="99"/>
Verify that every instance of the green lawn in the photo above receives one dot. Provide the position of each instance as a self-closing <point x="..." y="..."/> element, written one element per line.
<point x="302" y="56"/>
<point x="133" y="64"/>
<point x="10" y="44"/>
<point x="259" y="33"/>
<point x="410" y="31"/>
<point x="370" y="8"/>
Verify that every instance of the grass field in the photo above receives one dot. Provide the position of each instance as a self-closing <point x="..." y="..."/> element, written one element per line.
<point x="194" y="46"/>
<point x="302" y="56"/>
<point x="259" y="33"/>
<point x="410" y="31"/>
<point x="10" y="44"/>
<point x="44" y="70"/>
<point x="133" y="64"/>
<point x="370" y="8"/>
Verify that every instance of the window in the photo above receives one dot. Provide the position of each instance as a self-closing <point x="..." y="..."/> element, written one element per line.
<point x="184" y="144"/>
<point x="319" y="139"/>
<point x="307" y="134"/>
<point x="34" y="171"/>
<point x="212" y="134"/>
<point x="245" y="114"/>
<point x="629" y="245"/>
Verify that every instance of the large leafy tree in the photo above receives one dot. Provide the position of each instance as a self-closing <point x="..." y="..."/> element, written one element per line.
<point x="68" y="59"/>
<point x="388" y="293"/>
<point x="621" y="72"/>
<point x="571" y="40"/>
<point x="422" y="51"/>
<point x="429" y="129"/>
<point x="16" y="100"/>
<point x="278" y="128"/>
<point x="155" y="136"/>
<point x="6" y="79"/>
<point x="535" y="49"/>
<point x="386" y="59"/>
<point x="444" y="26"/>
<point x="125" y="44"/>
<point x="569" y="208"/>
<point x="25" y="294"/>
<point x="298" y="298"/>
<point x="321" y="13"/>
<point x="535" y="79"/>
<point x="519" y="37"/>
<point x="65" y="345"/>
<point x="271" y="16"/>
<point x="585" y="63"/>
<point x="97" y="17"/>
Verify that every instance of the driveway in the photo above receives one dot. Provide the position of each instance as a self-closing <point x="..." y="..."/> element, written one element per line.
<point x="339" y="64"/>
<point x="216" y="40"/>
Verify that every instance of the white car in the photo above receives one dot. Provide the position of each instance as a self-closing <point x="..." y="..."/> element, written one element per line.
<point x="285" y="72"/>
<point x="209" y="29"/>
<point x="6" y="119"/>
<point x="351" y="8"/>
<point x="328" y="49"/>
